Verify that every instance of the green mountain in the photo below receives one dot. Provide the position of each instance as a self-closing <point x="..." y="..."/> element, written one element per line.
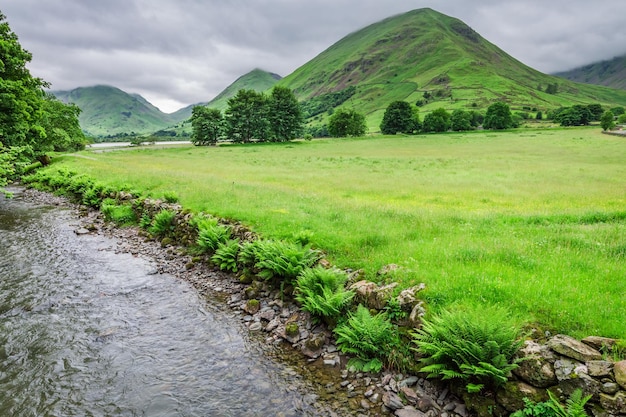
<point x="432" y="59"/>
<point x="109" y="111"/>
<point x="257" y="80"/>
<point x="610" y="73"/>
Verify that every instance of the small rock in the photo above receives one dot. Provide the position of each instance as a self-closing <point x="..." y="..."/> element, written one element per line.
<point x="256" y="326"/>
<point x="409" y="394"/>
<point x="610" y="388"/>
<point x="408" y="411"/>
<point x="461" y="410"/>
<point x="365" y="404"/>
<point x="392" y="401"/>
<point x="599" y="343"/>
<point x="599" y="368"/>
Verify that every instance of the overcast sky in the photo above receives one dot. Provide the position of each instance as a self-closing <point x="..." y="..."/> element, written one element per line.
<point x="181" y="52"/>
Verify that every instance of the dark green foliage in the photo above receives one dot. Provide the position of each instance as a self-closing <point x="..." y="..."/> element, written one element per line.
<point x="577" y="115"/>
<point x="437" y="121"/>
<point x="618" y="111"/>
<point x="225" y="256"/>
<point x="285" y="115"/>
<point x="472" y="344"/>
<point x="460" y="120"/>
<point x="162" y="223"/>
<point x="399" y="117"/>
<point x="211" y="235"/>
<point x="247" y="117"/>
<point x="370" y="338"/>
<point x="574" y="406"/>
<point x="346" y="122"/>
<point x="595" y="111"/>
<point x="322" y="292"/>
<point x="276" y="259"/>
<point x="607" y="121"/>
<point x="324" y="102"/>
<point x="120" y="214"/>
<point x="498" y="117"/>
<point x="207" y="125"/>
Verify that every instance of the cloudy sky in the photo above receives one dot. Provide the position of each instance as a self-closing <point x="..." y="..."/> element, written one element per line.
<point x="180" y="52"/>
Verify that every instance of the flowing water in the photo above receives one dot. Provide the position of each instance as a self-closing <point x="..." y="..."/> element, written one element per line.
<point x="88" y="332"/>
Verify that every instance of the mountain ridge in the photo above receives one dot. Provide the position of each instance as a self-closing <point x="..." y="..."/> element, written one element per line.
<point x="608" y="72"/>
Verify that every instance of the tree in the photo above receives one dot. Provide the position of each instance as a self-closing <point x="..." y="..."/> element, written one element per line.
<point x="460" y="120"/>
<point x="436" y="121"/>
<point x="61" y="126"/>
<point x="498" y="117"/>
<point x="618" y="111"/>
<point x="596" y="111"/>
<point x="21" y="94"/>
<point x="573" y="116"/>
<point x="539" y="115"/>
<point x="285" y="115"/>
<point x="399" y="117"/>
<point x="607" y="121"/>
<point x="246" y="117"/>
<point x="207" y="125"/>
<point x="346" y="122"/>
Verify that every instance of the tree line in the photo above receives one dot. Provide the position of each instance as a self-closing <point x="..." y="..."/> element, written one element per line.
<point x="33" y="123"/>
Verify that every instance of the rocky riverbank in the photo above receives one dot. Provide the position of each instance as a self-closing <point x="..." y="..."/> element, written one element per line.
<point x="282" y="328"/>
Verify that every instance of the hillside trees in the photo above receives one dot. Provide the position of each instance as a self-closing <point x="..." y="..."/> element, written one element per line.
<point x="207" y="125"/>
<point x="498" y="117"/>
<point x="399" y="117"/>
<point x="460" y="120"/>
<point x="31" y="123"/>
<point x="346" y="122"/>
<point x="607" y="121"/>
<point x="437" y="121"/>
<point x="285" y="115"/>
<point x="246" y="117"/>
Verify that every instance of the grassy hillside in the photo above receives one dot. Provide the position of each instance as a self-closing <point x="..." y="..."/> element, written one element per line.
<point x="530" y="219"/>
<point x="257" y="80"/>
<point x="110" y="111"/>
<point x="610" y="73"/>
<point x="423" y="51"/>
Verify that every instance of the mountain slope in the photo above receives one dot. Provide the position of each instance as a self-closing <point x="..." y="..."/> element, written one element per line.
<point x="257" y="80"/>
<point x="610" y="73"/>
<point x="109" y="111"/>
<point x="425" y="53"/>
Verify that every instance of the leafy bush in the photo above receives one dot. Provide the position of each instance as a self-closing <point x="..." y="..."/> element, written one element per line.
<point x="170" y="197"/>
<point x="162" y="223"/>
<point x="369" y="338"/>
<point x="472" y="344"/>
<point x="211" y="235"/>
<point x="574" y="407"/>
<point x="322" y="292"/>
<point x="276" y="259"/>
<point x="226" y="255"/>
<point x="121" y="215"/>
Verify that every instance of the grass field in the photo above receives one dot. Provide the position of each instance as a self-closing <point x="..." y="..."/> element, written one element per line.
<point x="531" y="219"/>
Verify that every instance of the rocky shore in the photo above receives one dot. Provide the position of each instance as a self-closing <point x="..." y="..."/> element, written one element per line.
<point x="282" y="328"/>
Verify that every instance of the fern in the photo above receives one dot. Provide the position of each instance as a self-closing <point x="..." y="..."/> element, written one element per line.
<point x="162" y="223"/>
<point x="474" y="345"/>
<point x="282" y="260"/>
<point x="225" y="256"/>
<point x="322" y="292"/>
<point x="210" y="236"/>
<point x="574" y="405"/>
<point x="367" y="337"/>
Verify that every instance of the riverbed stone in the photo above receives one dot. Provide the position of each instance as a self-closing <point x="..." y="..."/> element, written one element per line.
<point x="392" y="400"/>
<point x="409" y="411"/>
<point x="620" y="373"/>
<point x="572" y="348"/>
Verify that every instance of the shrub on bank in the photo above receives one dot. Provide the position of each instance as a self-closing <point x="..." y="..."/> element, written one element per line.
<point x="322" y="293"/>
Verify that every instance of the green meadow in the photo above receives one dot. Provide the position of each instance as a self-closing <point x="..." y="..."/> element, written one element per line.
<point x="532" y="219"/>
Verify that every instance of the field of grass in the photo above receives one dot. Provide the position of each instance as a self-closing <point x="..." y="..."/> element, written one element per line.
<point x="534" y="220"/>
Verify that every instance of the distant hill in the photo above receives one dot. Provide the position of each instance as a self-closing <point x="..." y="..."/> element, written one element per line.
<point x="427" y="57"/>
<point x="257" y="80"/>
<point x="610" y="73"/>
<point x="109" y="111"/>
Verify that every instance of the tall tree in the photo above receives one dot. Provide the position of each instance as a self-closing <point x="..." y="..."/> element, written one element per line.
<point x="607" y="122"/>
<point x="346" y="122"/>
<point x="246" y="117"/>
<point x="437" y="121"/>
<point x="399" y="117"/>
<point x="207" y="124"/>
<point x="498" y="117"/>
<point x="460" y="120"/>
<point x="285" y="115"/>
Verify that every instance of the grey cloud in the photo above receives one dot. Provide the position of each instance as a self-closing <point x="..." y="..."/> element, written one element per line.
<point x="178" y="52"/>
